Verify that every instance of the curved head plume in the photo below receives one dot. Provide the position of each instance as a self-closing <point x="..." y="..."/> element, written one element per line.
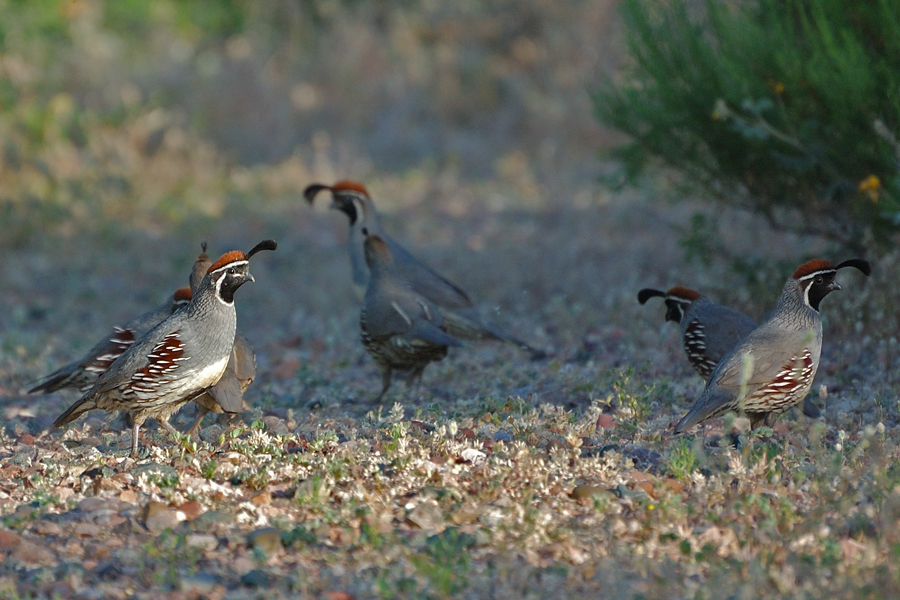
<point x="858" y="263"/>
<point x="263" y="245"/>
<point x="647" y="293"/>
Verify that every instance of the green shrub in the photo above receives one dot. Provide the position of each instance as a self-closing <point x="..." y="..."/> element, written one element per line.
<point x="787" y="108"/>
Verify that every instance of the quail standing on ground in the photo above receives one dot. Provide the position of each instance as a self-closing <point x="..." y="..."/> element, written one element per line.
<point x="708" y="330"/>
<point x="401" y="329"/>
<point x="772" y="369"/>
<point x="227" y="395"/>
<point x="83" y="373"/>
<point x="461" y="318"/>
<point x="178" y="359"/>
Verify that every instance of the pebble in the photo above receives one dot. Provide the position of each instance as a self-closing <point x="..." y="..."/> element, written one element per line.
<point x="92" y="503"/>
<point x="267" y="539"/>
<point x="158" y="517"/>
<point x="586" y="491"/>
<point x="155" y="469"/>
<point x="275" y="426"/>
<point x="85" y="530"/>
<point x="427" y="515"/>
<point x="211" y="434"/>
<point x="502" y="436"/>
<point x="191" y="509"/>
<point x="212" y="518"/>
<point x="257" y="578"/>
<point x="44" y="527"/>
<point x="9" y="540"/>
<point x="201" y="583"/>
<point x="30" y="554"/>
<point x="262" y="499"/>
<point x="128" y="496"/>
<point x="204" y="541"/>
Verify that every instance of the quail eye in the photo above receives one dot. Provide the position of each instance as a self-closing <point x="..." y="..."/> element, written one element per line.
<point x="232" y="271"/>
<point x="820" y="279"/>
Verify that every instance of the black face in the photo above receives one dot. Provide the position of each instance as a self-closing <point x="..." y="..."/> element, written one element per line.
<point x="345" y="205"/>
<point x="235" y="276"/>
<point x="675" y="310"/>
<point x="818" y="286"/>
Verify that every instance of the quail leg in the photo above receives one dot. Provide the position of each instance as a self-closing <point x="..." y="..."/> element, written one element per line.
<point x="385" y="383"/>
<point x="202" y="412"/>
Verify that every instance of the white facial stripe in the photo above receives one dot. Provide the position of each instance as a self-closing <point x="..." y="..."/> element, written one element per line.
<point x="219" y="290"/>
<point x="816" y="274"/>
<point x="235" y="263"/>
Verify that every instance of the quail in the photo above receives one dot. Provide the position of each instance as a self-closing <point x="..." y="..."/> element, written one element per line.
<point x="178" y="359"/>
<point x="227" y="395"/>
<point x="773" y="367"/>
<point x="461" y="318"/>
<point x="82" y="373"/>
<point x="708" y="330"/>
<point x="400" y="328"/>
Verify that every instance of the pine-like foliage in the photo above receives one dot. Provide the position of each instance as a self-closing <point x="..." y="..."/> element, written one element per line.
<point x="788" y="108"/>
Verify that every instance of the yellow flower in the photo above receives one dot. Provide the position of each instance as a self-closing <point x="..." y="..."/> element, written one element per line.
<point x="871" y="186"/>
<point x="779" y="88"/>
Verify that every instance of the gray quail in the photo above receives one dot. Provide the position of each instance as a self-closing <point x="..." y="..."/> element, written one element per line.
<point x="178" y="359"/>
<point x="772" y="368"/>
<point x="82" y="373"/>
<point x="400" y="328"/>
<point x="708" y="330"/>
<point x="227" y="395"/>
<point x="461" y="318"/>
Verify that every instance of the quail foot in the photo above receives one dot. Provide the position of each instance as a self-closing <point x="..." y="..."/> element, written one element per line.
<point x="401" y="329"/>
<point x="82" y="373"/>
<point x="461" y="318"/>
<point x="773" y="367"/>
<point x="708" y="330"/>
<point x="178" y="359"/>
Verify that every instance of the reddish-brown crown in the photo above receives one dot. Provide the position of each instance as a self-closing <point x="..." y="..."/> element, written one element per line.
<point x="228" y="257"/>
<point x="679" y="291"/>
<point x="816" y="264"/>
<point x="183" y="295"/>
<point x="345" y="185"/>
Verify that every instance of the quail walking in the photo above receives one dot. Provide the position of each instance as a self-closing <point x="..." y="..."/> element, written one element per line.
<point x="178" y="359"/>
<point x="461" y="318"/>
<point x="400" y="328"/>
<point x="772" y="368"/>
<point x="83" y="373"/>
<point x="708" y="330"/>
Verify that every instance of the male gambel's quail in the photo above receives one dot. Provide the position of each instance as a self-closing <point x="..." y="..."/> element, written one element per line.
<point x="227" y="395"/>
<point x="708" y="330"/>
<point x="82" y="373"/>
<point x="461" y="318"/>
<point x="772" y="369"/>
<point x="178" y="359"/>
<point x="400" y="328"/>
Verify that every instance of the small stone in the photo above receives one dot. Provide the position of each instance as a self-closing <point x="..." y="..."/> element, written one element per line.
<point x="92" y="503"/>
<point x="586" y="491"/>
<point x="128" y="496"/>
<point x="606" y="421"/>
<point x="257" y="578"/>
<point x="212" y="518"/>
<point x="43" y="527"/>
<point x="202" y="583"/>
<point x="85" y="530"/>
<point x="338" y="595"/>
<point x="204" y="541"/>
<point x="267" y="539"/>
<point x="30" y="554"/>
<point x="158" y="517"/>
<point x="502" y="436"/>
<point x="27" y="439"/>
<point x="211" y="434"/>
<point x="427" y="515"/>
<point x="263" y="498"/>
<point x="191" y="509"/>
<point x="275" y="426"/>
<point x="9" y="540"/>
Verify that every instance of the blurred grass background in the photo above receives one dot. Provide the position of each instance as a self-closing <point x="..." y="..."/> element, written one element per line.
<point x="151" y="114"/>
